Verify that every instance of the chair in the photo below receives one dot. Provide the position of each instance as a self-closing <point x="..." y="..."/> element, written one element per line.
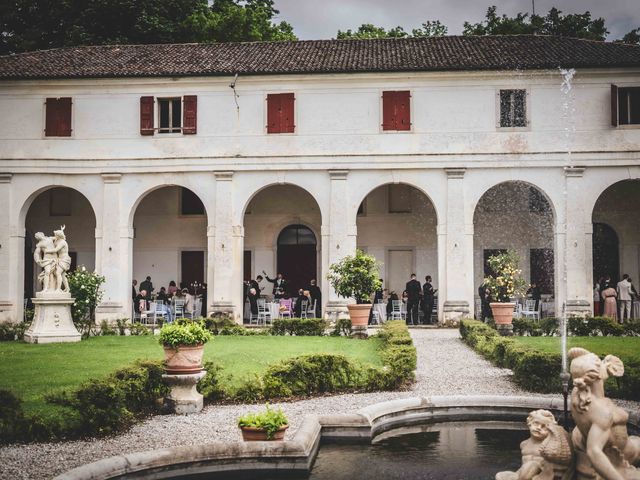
<point x="530" y="311"/>
<point x="396" y="310"/>
<point x="264" y="313"/>
<point x="286" y="303"/>
<point x="178" y="308"/>
<point x="197" y="308"/>
<point x="159" y="311"/>
<point x="311" y="310"/>
<point x="304" y="309"/>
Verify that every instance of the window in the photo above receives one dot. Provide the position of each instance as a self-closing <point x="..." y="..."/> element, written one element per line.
<point x="399" y="199"/>
<point x="169" y="115"/>
<point x="58" y="117"/>
<point x="396" y="110"/>
<point x="174" y="115"/>
<point x="60" y="202"/>
<point x="625" y="105"/>
<point x="190" y="203"/>
<point x="280" y="113"/>
<point x="513" y="108"/>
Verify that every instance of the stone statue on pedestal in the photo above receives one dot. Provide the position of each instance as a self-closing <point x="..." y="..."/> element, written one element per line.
<point x="547" y="454"/>
<point x="52" y="320"/>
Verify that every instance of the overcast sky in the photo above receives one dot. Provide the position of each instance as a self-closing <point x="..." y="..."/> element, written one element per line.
<point x="318" y="19"/>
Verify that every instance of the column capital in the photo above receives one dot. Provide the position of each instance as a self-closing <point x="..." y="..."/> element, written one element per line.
<point x="455" y="172"/>
<point x="126" y="232"/>
<point x="111" y="177"/>
<point x="237" y="231"/>
<point x="223" y="175"/>
<point x="574" y="171"/>
<point x="338" y="174"/>
<point x="5" y="177"/>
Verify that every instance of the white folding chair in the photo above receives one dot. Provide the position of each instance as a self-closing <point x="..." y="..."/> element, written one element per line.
<point x="159" y="311"/>
<point x="178" y="308"/>
<point x="264" y="313"/>
<point x="530" y="311"/>
<point x="396" y="310"/>
<point x="311" y="310"/>
<point x="288" y="304"/>
<point x="197" y="308"/>
<point x="304" y="306"/>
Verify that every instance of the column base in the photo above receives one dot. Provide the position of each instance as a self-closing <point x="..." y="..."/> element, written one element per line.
<point x="223" y="307"/>
<point x="578" y="308"/>
<point x="335" y="310"/>
<point x="505" y="329"/>
<point x="6" y="312"/>
<point x="52" y="321"/>
<point x="453" y="311"/>
<point x="110" y="311"/>
<point x="183" y="398"/>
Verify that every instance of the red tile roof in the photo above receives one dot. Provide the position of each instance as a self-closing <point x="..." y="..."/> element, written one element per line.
<point x="319" y="56"/>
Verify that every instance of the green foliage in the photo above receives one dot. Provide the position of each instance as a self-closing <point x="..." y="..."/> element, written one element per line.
<point x="355" y="276"/>
<point x="270" y="421"/>
<point x="12" y="331"/>
<point x="218" y="321"/>
<point x="632" y="37"/>
<point x="430" y="28"/>
<point x="85" y="289"/>
<point x="599" y="326"/>
<point x="367" y="30"/>
<point x="210" y="386"/>
<point x="342" y="327"/>
<point x="311" y="327"/>
<point x="106" y="329"/>
<point x="122" y="324"/>
<point x="137" y="329"/>
<point x="506" y="281"/>
<point x="184" y="332"/>
<point x="554" y="23"/>
<point x="547" y="327"/>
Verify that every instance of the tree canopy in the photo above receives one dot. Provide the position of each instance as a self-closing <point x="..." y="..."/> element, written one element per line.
<point x="579" y="25"/>
<point x="368" y="30"/>
<point x="40" y="24"/>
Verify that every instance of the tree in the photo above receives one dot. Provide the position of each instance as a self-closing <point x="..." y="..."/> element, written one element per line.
<point x="368" y="30"/>
<point x="554" y="23"/>
<point x="632" y="37"/>
<point x="40" y="24"/>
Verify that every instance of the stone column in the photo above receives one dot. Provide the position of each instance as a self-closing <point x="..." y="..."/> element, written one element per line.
<point x="577" y="261"/>
<point x="340" y="238"/>
<point x="455" y="237"/>
<point x="11" y="251"/>
<point x="227" y="251"/>
<point x="113" y="258"/>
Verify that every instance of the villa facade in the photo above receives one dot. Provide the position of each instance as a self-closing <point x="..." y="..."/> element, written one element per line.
<point x="208" y="164"/>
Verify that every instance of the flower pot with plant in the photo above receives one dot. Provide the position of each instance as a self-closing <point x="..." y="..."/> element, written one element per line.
<point x="503" y="284"/>
<point x="356" y="276"/>
<point x="183" y="342"/>
<point x="267" y="425"/>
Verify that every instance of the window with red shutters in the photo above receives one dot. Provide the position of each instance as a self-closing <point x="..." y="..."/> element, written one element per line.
<point x="146" y="115"/>
<point x="190" y="112"/>
<point x="396" y="110"/>
<point x="58" y="117"/>
<point x="280" y="113"/>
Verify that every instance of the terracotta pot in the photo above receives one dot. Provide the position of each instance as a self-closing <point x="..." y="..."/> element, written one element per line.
<point x="253" y="434"/>
<point x="502" y="312"/>
<point x="359" y="314"/>
<point x="184" y="359"/>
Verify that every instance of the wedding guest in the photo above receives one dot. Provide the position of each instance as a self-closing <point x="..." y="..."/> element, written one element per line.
<point x="610" y="306"/>
<point x="625" y="295"/>
<point x="171" y="291"/>
<point x="134" y="294"/>
<point x="316" y="295"/>
<point x="147" y="285"/>
<point x="162" y="296"/>
<point x="253" y="296"/>
<point x="141" y="302"/>
<point x="188" y="301"/>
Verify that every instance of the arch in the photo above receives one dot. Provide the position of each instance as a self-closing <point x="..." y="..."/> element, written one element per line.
<point x="297" y="227"/>
<point x="29" y="199"/>
<point x="475" y="200"/>
<point x="604" y="183"/>
<point x="249" y="198"/>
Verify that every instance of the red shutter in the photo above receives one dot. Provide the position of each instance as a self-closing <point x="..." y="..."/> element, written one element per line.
<point x="287" y="101"/>
<point x="273" y="113"/>
<point x="403" y="110"/>
<point x="388" y="113"/>
<point x="58" y="117"/>
<point x="146" y="116"/>
<point x="190" y="115"/>
<point x="614" y="105"/>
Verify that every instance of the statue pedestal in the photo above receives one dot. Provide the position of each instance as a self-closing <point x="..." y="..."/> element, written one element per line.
<point x="183" y="397"/>
<point x="52" y="321"/>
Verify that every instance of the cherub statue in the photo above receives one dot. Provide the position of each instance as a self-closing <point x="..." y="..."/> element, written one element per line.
<point x="547" y="454"/>
<point x="604" y="449"/>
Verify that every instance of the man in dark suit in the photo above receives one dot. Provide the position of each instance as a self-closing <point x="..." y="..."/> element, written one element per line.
<point x="279" y="285"/>
<point x="316" y="296"/>
<point x="148" y="286"/>
<point x="256" y="284"/>
<point x="134" y="293"/>
<point x="428" y="299"/>
<point x="414" y="291"/>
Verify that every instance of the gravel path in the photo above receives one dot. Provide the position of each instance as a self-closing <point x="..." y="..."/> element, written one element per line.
<point x="445" y="367"/>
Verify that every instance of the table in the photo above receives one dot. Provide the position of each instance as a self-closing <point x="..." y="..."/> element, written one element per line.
<point x="381" y="309"/>
<point x="274" y="309"/>
<point x="635" y="309"/>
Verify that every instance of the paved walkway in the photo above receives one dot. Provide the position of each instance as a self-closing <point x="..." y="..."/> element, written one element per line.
<point x="445" y="367"/>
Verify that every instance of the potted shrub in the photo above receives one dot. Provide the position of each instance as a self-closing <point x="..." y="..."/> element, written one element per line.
<point x="183" y="342"/>
<point x="356" y="277"/>
<point x="504" y="284"/>
<point x="268" y="425"/>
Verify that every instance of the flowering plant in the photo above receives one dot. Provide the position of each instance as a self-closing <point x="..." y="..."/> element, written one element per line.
<point x="506" y="281"/>
<point x="85" y="289"/>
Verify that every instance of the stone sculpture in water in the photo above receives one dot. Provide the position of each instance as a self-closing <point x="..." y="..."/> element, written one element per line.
<point x="547" y="454"/>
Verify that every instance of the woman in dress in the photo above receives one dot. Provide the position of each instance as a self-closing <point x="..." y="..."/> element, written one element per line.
<point x="610" y="305"/>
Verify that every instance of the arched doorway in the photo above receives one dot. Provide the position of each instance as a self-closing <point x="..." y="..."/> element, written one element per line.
<point x="297" y="255"/>
<point x="515" y="215"/>
<point x="49" y="210"/>
<point x="616" y="232"/>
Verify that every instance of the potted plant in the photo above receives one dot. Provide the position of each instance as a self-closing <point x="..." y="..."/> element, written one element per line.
<point x="268" y="425"/>
<point x="504" y="284"/>
<point x="356" y="277"/>
<point x="183" y="342"/>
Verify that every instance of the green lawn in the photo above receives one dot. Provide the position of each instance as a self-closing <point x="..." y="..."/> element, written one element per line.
<point x="623" y="347"/>
<point x="32" y="371"/>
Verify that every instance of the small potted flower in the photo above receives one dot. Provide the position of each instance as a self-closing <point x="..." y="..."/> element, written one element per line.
<point x="356" y="277"/>
<point x="267" y="425"/>
<point x="504" y="284"/>
<point x="183" y="342"/>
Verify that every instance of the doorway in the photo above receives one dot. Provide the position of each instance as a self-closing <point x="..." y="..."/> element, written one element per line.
<point x="297" y="257"/>
<point x="192" y="268"/>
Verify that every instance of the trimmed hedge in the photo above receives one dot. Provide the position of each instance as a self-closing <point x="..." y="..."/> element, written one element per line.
<point x="535" y="370"/>
<point x="576" y="326"/>
<point x="97" y="407"/>
<point x="311" y="327"/>
<point x="313" y="374"/>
